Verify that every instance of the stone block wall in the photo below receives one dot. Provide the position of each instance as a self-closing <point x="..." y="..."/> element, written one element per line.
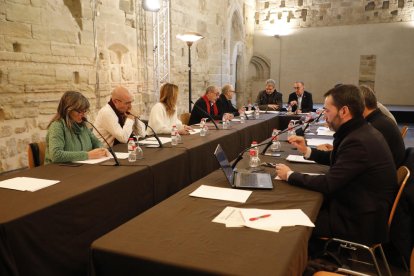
<point x="48" y="47"/>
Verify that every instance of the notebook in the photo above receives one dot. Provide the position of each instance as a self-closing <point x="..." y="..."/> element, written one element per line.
<point x="246" y="180"/>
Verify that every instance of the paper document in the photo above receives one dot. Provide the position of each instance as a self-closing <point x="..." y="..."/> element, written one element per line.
<point x="153" y="141"/>
<point x="231" y="217"/>
<point x="210" y="192"/>
<point x="27" y="183"/>
<point x="235" y="120"/>
<point x="261" y="219"/>
<point x="121" y="155"/>
<point x="194" y="130"/>
<point x="298" y="158"/>
<point x="325" y="131"/>
<point x="316" y="141"/>
<point x="94" y="161"/>
<point x="269" y="111"/>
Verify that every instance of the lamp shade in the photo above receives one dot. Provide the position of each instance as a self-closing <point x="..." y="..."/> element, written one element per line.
<point x="190" y="37"/>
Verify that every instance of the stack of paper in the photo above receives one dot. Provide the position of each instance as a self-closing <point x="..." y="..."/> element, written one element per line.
<point x="316" y="142"/>
<point x="27" y="183"/>
<point x="325" y="131"/>
<point x="298" y="159"/>
<point x="269" y="220"/>
<point x="210" y="192"/>
<point x="153" y="141"/>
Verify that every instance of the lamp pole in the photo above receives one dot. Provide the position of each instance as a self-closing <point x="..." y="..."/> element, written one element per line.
<point x="189" y="43"/>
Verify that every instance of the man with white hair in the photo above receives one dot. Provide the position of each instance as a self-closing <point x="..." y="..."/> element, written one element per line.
<point x="270" y="99"/>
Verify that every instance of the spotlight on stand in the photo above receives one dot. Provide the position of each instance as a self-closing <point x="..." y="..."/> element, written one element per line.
<point x="151" y="5"/>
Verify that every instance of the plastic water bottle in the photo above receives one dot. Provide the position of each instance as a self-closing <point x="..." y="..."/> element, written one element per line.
<point x="275" y="142"/>
<point x="174" y="132"/>
<point x="257" y="112"/>
<point x="289" y="109"/>
<point x="291" y="128"/>
<point x="132" y="156"/>
<point x="254" y="156"/>
<point x="224" y="121"/>
<point x="242" y="118"/>
<point x="138" y="151"/>
<point x="179" y="138"/>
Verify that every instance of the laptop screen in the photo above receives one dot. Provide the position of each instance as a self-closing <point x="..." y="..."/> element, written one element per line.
<point x="224" y="163"/>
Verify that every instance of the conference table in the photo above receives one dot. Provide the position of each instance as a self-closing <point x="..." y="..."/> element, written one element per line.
<point x="178" y="237"/>
<point x="49" y="232"/>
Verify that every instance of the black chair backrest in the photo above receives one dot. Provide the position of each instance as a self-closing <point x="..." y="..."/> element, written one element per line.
<point x="36" y="153"/>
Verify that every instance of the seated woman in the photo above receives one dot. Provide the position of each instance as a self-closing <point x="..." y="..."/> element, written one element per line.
<point x="164" y="114"/>
<point x="68" y="139"/>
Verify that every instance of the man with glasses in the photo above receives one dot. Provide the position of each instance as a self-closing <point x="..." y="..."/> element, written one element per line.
<point x="224" y="103"/>
<point x="270" y="99"/>
<point x="114" y="121"/>
<point x="300" y="100"/>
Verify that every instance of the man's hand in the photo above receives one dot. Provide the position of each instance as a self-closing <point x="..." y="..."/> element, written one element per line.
<point x="282" y="171"/>
<point x="299" y="143"/>
<point x="273" y="106"/>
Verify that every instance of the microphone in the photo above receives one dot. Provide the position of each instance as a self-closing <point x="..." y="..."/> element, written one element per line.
<point x="147" y="125"/>
<point x="205" y="113"/>
<point x="111" y="151"/>
<point x="301" y="131"/>
<point x="281" y="132"/>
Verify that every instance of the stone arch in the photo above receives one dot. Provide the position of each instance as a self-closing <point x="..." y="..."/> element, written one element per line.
<point x="259" y="68"/>
<point x="235" y="34"/>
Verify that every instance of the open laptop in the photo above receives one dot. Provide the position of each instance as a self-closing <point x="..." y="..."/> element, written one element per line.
<point x="245" y="180"/>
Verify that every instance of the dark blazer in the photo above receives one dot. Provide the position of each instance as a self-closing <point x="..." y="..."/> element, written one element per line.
<point x="225" y="106"/>
<point x="391" y="133"/>
<point x="197" y="114"/>
<point x="263" y="99"/>
<point x="307" y="102"/>
<point x="359" y="187"/>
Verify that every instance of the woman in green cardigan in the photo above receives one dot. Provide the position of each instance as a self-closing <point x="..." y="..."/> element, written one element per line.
<point x="68" y="139"/>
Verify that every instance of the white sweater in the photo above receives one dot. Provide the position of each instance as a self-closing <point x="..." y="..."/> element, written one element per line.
<point x="107" y="123"/>
<point x="161" y="122"/>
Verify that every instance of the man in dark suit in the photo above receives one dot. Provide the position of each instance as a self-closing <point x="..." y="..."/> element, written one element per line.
<point x="207" y="105"/>
<point x="300" y="100"/>
<point x="270" y="99"/>
<point x="360" y="185"/>
<point x="384" y="124"/>
<point x="224" y="101"/>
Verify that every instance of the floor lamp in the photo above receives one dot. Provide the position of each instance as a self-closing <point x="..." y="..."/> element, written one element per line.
<point x="189" y="38"/>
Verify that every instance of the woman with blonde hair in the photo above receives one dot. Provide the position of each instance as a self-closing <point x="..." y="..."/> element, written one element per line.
<point x="68" y="139"/>
<point x="164" y="113"/>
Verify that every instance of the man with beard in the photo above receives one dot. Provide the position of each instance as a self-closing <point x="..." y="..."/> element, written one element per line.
<point x="361" y="182"/>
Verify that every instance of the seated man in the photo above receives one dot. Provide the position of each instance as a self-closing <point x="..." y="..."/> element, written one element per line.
<point x="270" y="99"/>
<point x="300" y="100"/>
<point x="224" y="104"/>
<point x="384" y="124"/>
<point x="207" y="105"/>
<point x="360" y="185"/>
<point x="114" y="121"/>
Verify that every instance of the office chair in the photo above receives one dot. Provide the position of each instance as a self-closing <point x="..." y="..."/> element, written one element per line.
<point x="36" y="154"/>
<point x="404" y="130"/>
<point x="403" y="174"/>
<point x="185" y="118"/>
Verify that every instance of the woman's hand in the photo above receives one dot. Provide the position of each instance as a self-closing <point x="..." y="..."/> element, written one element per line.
<point x="97" y="153"/>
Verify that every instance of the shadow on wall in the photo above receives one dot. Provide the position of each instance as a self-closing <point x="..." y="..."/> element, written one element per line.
<point x="75" y="9"/>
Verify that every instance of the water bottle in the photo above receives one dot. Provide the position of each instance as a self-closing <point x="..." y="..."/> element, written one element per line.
<point x="174" y="132"/>
<point x="275" y="142"/>
<point x="138" y="151"/>
<point x="257" y="112"/>
<point x="179" y="138"/>
<point x="242" y="118"/>
<point x="289" y="109"/>
<point x="291" y="128"/>
<point x="203" y="130"/>
<point x="224" y="121"/>
<point x="254" y="156"/>
<point x="132" y="156"/>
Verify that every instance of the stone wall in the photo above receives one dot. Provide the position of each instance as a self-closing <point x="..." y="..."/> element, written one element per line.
<point x="48" y="47"/>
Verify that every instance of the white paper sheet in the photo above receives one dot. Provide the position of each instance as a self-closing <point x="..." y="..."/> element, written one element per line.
<point x="325" y="131"/>
<point x="231" y="217"/>
<point x="27" y="183"/>
<point x="94" y="161"/>
<point x="317" y="141"/>
<point x="194" y="131"/>
<point x="298" y="159"/>
<point x="153" y="141"/>
<point x="270" y="111"/>
<point x="210" y="192"/>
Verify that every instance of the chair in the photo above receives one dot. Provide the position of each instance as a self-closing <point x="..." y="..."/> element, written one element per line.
<point x="36" y="154"/>
<point x="403" y="174"/>
<point x="412" y="263"/>
<point x="185" y="118"/>
<point x="404" y="130"/>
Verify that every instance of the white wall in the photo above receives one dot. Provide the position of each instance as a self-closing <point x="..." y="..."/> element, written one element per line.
<point x="324" y="56"/>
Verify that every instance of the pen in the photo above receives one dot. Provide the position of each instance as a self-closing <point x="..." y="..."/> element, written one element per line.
<point x="259" y="217"/>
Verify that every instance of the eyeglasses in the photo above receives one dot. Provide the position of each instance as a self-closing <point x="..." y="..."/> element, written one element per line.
<point x="296" y="87"/>
<point x="82" y="111"/>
